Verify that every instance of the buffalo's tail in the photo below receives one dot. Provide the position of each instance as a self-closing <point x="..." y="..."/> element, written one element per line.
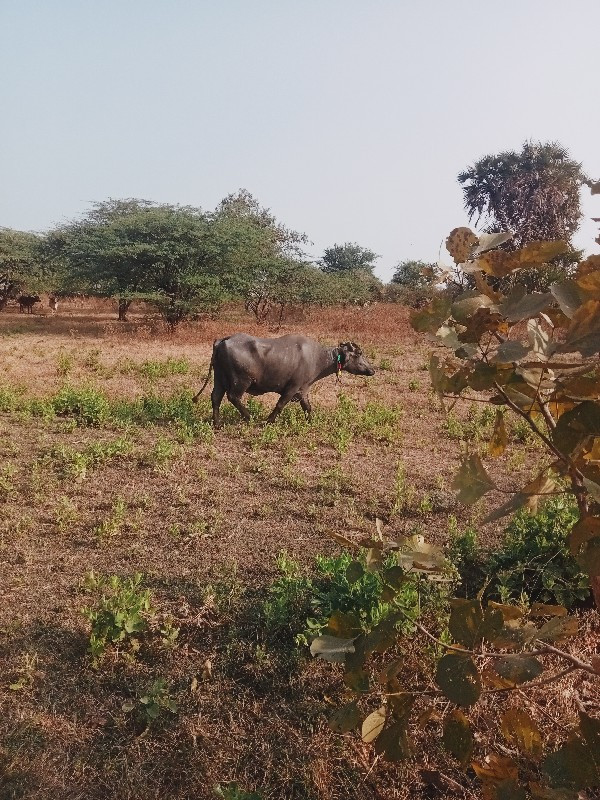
<point x="196" y="397"/>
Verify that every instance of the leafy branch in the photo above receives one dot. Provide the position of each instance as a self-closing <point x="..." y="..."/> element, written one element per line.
<point x="536" y="354"/>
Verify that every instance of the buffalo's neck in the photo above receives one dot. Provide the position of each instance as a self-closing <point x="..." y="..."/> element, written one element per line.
<point x="327" y="363"/>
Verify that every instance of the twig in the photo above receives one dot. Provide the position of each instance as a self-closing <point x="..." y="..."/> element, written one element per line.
<point x="544" y="712"/>
<point x="577" y="662"/>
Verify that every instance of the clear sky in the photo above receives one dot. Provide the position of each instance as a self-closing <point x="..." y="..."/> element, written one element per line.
<point x="349" y="119"/>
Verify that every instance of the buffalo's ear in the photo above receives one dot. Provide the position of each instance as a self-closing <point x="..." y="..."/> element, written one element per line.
<point x="343" y="349"/>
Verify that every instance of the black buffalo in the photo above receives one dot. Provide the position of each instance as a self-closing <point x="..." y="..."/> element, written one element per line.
<point x="287" y="366"/>
<point x="26" y="302"/>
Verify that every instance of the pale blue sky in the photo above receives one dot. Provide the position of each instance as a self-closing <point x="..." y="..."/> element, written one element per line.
<point x="350" y="119"/>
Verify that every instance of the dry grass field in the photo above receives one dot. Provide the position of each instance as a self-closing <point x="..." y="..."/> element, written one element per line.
<point x="106" y="467"/>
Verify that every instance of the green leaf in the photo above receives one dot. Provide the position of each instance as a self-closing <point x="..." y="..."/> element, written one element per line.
<point x="469" y="624"/>
<point x="510" y="351"/>
<point x="518" y="669"/>
<point x="343" y="626"/>
<point x="519" y="729"/>
<point x="429" y="319"/>
<point x="583" y="334"/>
<point x="539" y="792"/>
<point x="393" y="743"/>
<point x="467" y="304"/>
<point x="571" y="766"/>
<point x="152" y="710"/>
<point x="568" y="297"/>
<point x="558" y="629"/>
<point x="458" y="678"/>
<point x="395" y="576"/>
<point x="589" y="558"/>
<point x="528" y="496"/>
<point x="586" y="529"/>
<point x="457" y="737"/>
<point x="345" y="718"/>
<point x="472" y="481"/>
<point x="576" y="425"/>
<point x="354" y="571"/>
<point x="519" y="305"/>
<point x="332" y="648"/>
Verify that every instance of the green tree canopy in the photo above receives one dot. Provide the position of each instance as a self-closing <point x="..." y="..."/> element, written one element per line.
<point x="533" y="194"/>
<point x="21" y="264"/>
<point x="347" y="258"/>
<point x="136" y="249"/>
<point x="266" y="264"/>
<point x="414" y="274"/>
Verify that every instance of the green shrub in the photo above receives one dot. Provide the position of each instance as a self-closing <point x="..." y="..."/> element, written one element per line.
<point x="468" y="558"/>
<point x="534" y="561"/>
<point x="120" y="613"/>
<point x="86" y="404"/>
<point x="288" y="602"/>
<point x="301" y="605"/>
<point x="75" y="463"/>
<point x="10" y="398"/>
<point x="162" y="369"/>
<point x="233" y="792"/>
<point x="150" y="705"/>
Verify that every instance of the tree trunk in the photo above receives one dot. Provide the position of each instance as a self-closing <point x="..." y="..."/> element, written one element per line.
<point x="123" y="308"/>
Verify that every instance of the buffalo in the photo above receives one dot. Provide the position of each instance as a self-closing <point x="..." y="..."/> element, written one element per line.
<point x="26" y="303"/>
<point x="287" y="366"/>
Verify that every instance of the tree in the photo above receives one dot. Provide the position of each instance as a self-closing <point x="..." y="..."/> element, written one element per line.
<point x="21" y="264"/>
<point x="413" y="283"/>
<point x="414" y="274"/>
<point x="535" y="357"/>
<point x="266" y="264"/>
<point x="167" y="255"/>
<point x="348" y="257"/>
<point x="533" y="194"/>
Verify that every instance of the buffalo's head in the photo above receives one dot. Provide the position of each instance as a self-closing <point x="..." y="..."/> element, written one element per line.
<point x="353" y="360"/>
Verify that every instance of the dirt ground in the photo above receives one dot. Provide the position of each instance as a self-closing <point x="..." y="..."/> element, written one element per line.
<point x="203" y="518"/>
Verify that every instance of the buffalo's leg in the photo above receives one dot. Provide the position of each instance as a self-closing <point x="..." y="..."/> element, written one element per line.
<point x="216" y="397"/>
<point x="281" y="403"/>
<point x="306" y="407"/>
<point x="237" y="402"/>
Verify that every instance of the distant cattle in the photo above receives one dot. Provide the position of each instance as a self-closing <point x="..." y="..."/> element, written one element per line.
<point x="26" y="303"/>
<point x="53" y="304"/>
<point x="288" y="366"/>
